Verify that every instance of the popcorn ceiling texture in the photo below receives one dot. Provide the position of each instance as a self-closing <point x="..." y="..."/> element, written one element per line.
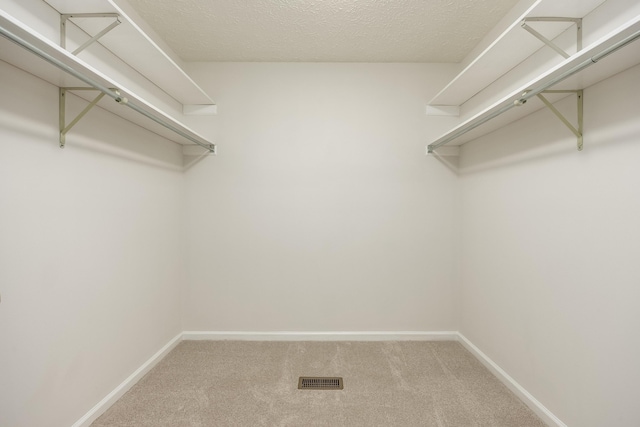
<point x="322" y="30"/>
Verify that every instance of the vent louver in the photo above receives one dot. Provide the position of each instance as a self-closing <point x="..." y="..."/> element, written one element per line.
<point x="320" y="383"/>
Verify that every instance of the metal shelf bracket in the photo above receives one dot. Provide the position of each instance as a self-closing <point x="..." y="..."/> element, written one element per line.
<point x="64" y="127"/>
<point x="579" y="95"/>
<point x="64" y="17"/>
<point x="63" y="28"/>
<point x="552" y="45"/>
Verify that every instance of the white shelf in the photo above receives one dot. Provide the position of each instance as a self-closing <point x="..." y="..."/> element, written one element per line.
<point x="511" y="46"/>
<point x="18" y="56"/>
<point x="625" y="58"/>
<point x="137" y="45"/>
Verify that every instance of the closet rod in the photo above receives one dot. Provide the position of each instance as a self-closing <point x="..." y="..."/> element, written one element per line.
<point x="533" y="92"/>
<point x="111" y="93"/>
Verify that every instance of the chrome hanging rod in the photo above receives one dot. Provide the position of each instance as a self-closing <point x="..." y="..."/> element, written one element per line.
<point x="109" y="92"/>
<point x="533" y="92"/>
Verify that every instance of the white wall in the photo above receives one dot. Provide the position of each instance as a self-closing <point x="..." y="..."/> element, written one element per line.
<point x="90" y="253"/>
<point x="551" y="243"/>
<point x="321" y="212"/>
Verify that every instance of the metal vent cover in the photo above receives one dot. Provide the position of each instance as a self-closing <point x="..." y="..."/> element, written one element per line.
<point x="320" y="383"/>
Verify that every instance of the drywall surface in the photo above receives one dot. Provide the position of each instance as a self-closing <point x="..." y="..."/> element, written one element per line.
<point x="321" y="211"/>
<point x="90" y="253"/>
<point x="551" y="242"/>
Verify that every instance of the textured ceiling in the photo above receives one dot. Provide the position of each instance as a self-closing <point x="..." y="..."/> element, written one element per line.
<point x="322" y="30"/>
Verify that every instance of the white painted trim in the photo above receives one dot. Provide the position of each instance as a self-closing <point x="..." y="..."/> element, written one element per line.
<point x="120" y="390"/>
<point x="322" y="336"/>
<point x="533" y="403"/>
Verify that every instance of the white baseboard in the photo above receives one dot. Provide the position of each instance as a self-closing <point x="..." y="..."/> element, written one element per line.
<point x="120" y="390"/>
<point x="321" y="336"/>
<point x="528" y="399"/>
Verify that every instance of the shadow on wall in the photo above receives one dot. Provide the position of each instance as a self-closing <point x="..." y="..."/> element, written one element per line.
<point x="140" y="146"/>
<point x="541" y="136"/>
<point x="29" y="109"/>
<point x="450" y="162"/>
<point x="190" y="160"/>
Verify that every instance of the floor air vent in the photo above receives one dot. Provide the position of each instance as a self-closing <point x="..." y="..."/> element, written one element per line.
<point x="320" y="383"/>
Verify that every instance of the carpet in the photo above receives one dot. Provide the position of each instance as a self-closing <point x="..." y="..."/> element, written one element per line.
<point x="240" y="383"/>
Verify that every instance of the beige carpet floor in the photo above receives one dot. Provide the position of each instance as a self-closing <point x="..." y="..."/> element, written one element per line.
<point x="235" y="383"/>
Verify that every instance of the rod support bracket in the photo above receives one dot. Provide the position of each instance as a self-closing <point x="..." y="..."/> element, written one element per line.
<point x="64" y="127"/>
<point x="578" y="132"/>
